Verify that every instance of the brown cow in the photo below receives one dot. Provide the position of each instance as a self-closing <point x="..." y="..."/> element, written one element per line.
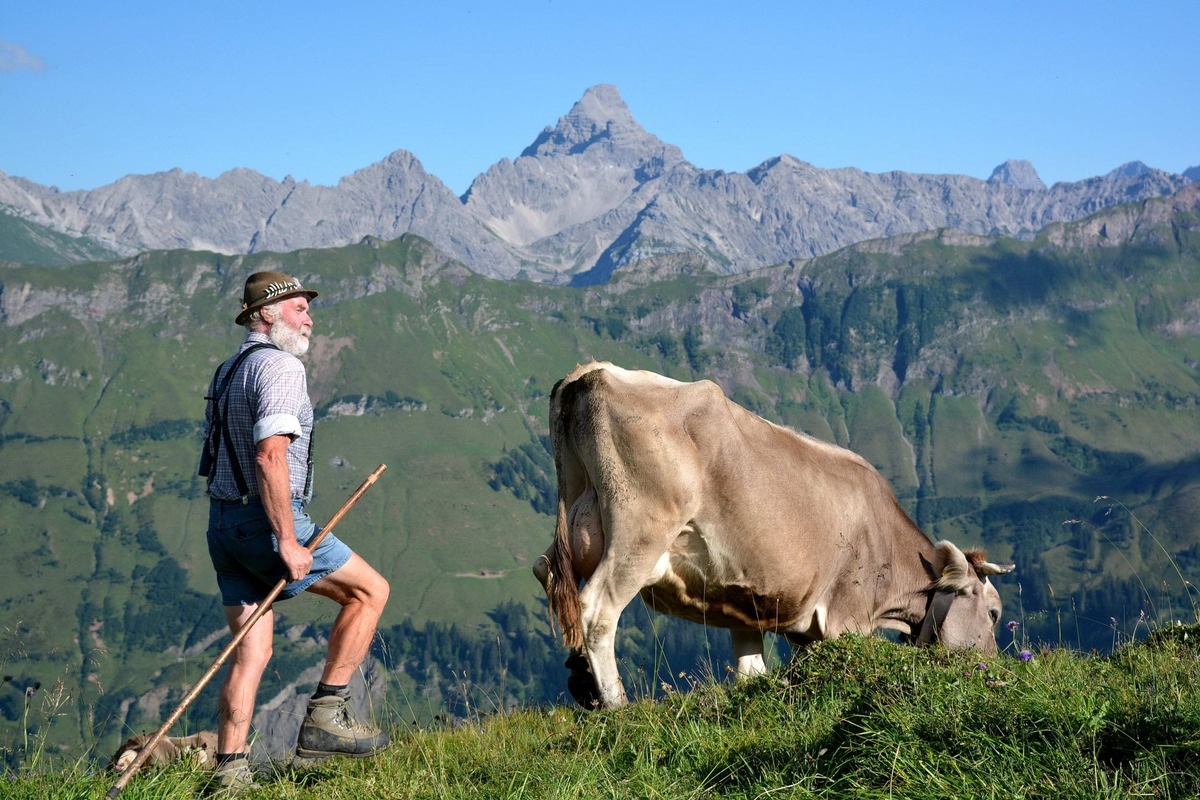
<point x="713" y="514"/>
<point x="201" y="748"/>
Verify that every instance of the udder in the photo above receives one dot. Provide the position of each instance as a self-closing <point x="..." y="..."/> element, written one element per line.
<point x="587" y="534"/>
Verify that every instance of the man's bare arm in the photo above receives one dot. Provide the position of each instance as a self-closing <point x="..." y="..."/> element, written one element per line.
<point x="274" y="484"/>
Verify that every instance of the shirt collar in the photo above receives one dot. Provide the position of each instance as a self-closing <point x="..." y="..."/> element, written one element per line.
<point x="256" y="337"/>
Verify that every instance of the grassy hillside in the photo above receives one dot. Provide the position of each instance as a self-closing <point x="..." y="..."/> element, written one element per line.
<point x="857" y="717"/>
<point x="1001" y="386"/>
<point x="25" y="242"/>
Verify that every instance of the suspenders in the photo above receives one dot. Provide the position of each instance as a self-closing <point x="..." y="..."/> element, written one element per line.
<point x="218" y="430"/>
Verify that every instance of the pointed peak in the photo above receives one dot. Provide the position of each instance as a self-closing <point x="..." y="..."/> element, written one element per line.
<point x="602" y="101"/>
<point x="600" y="116"/>
<point x="1131" y="169"/>
<point x="1018" y="173"/>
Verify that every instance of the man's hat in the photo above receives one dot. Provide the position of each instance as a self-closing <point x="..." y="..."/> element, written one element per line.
<point x="264" y="288"/>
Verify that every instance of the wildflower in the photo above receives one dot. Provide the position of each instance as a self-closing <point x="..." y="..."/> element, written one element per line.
<point x="1013" y="625"/>
<point x="982" y="667"/>
<point x="1025" y="655"/>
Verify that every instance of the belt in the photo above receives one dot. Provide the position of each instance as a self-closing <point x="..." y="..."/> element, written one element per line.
<point x="239" y="501"/>
<point x="245" y="501"/>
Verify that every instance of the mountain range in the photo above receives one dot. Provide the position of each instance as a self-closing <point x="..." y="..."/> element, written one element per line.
<point x="589" y="196"/>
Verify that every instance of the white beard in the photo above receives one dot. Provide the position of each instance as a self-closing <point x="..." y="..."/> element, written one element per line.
<point x="289" y="339"/>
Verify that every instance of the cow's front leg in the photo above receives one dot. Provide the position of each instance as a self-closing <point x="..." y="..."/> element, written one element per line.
<point x="748" y="652"/>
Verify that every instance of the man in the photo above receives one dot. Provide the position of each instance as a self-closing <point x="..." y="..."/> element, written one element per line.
<point x="258" y="459"/>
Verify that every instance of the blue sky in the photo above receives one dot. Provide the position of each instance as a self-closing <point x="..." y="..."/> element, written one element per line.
<point x="92" y="91"/>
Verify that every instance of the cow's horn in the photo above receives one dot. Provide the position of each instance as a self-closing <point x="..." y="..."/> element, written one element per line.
<point x="986" y="568"/>
<point x="983" y="567"/>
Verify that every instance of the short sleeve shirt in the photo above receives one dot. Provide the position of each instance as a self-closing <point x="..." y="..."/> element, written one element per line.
<point x="267" y="397"/>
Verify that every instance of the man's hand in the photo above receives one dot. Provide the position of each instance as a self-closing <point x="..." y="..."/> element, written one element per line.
<point x="296" y="558"/>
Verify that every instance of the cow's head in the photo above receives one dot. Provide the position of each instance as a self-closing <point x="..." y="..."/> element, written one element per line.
<point x="964" y="606"/>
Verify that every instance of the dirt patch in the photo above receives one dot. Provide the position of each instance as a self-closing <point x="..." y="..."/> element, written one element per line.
<point x="484" y="574"/>
<point x="323" y="364"/>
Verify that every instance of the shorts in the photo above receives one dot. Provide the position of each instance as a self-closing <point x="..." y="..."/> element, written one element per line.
<point x="245" y="551"/>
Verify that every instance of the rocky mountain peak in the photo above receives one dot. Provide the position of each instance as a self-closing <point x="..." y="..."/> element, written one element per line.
<point x="593" y="193"/>
<point x="1019" y="174"/>
<point x="581" y="172"/>
<point x="600" y="117"/>
<point x="1132" y="169"/>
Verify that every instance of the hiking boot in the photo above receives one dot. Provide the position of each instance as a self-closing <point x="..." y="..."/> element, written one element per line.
<point x="329" y="729"/>
<point x="232" y="777"/>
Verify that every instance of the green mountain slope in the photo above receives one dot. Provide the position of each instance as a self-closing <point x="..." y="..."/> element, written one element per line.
<point x="26" y="242"/>
<point x="1001" y="386"/>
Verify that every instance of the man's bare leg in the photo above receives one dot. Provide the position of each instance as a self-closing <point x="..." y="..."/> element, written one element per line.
<point x="329" y="728"/>
<point x="246" y="666"/>
<point x="362" y="593"/>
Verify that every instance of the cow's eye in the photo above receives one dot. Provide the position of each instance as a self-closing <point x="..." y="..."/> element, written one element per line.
<point x="995" y="615"/>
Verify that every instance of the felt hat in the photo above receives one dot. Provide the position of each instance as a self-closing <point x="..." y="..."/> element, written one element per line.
<point x="264" y="288"/>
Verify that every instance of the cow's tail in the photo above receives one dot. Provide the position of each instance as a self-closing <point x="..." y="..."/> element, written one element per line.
<point x="562" y="589"/>
<point x="562" y="586"/>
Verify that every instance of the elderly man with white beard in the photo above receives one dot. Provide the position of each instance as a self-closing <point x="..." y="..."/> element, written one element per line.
<point x="259" y="463"/>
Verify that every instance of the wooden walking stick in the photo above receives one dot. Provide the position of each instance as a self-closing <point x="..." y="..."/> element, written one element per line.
<point x="263" y="607"/>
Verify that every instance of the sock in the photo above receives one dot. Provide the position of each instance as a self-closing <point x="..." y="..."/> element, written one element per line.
<point x="225" y="758"/>
<point x="326" y="689"/>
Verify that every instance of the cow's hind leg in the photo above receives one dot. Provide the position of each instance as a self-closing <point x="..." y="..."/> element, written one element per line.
<point x="581" y="683"/>
<point x="748" y="652"/>
<point x="615" y="583"/>
<point x="600" y="612"/>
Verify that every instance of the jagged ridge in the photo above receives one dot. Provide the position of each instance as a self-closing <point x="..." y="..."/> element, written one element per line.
<point x="590" y="195"/>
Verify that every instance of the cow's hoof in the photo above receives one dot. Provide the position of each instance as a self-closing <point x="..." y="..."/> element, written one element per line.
<point x="581" y="683"/>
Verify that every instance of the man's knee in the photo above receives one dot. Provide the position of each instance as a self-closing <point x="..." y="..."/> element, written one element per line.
<point x="253" y="656"/>
<point x="371" y="589"/>
<point x="379" y="592"/>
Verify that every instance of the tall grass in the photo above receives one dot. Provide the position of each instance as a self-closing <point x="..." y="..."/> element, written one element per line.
<point x="855" y="717"/>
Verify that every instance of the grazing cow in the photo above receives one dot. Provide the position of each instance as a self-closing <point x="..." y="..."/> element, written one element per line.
<point x="201" y="748"/>
<point x="713" y="514"/>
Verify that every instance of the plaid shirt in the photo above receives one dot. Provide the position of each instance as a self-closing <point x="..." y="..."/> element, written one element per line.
<point x="268" y="396"/>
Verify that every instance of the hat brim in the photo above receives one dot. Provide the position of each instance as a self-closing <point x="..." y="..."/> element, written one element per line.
<point x="246" y="312"/>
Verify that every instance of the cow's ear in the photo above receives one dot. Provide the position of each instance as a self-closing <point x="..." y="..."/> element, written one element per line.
<point x="954" y="571"/>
